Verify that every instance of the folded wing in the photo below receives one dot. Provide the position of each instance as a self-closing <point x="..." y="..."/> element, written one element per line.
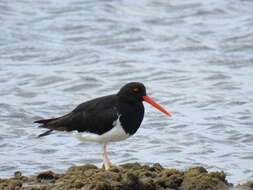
<point x="95" y="116"/>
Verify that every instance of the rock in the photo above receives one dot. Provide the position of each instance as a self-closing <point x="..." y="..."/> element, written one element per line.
<point x="131" y="176"/>
<point x="245" y="186"/>
<point x="197" y="178"/>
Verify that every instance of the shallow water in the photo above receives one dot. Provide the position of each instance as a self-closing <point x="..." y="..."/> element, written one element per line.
<point x="195" y="57"/>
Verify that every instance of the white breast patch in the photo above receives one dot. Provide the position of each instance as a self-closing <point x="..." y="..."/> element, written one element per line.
<point x="117" y="133"/>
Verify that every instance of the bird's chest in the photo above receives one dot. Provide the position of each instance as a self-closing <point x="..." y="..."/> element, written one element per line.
<point x="131" y="117"/>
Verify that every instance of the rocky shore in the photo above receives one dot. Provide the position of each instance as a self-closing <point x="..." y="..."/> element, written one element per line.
<point x="131" y="176"/>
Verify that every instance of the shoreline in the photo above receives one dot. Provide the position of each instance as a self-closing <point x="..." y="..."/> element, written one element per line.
<point x="131" y="176"/>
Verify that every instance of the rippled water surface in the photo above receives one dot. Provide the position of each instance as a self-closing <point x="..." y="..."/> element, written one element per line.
<point x="195" y="57"/>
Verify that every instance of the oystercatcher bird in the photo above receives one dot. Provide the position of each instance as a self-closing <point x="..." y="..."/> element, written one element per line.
<point x="105" y="119"/>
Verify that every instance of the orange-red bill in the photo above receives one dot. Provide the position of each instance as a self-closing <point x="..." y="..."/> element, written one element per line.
<point x="156" y="105"/>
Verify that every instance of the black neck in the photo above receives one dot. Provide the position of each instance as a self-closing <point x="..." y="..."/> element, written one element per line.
<point x="131" y="115"/>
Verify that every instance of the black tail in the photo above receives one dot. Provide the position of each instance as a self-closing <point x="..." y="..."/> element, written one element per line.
<point x="44" y="125"/>
<point x="48" y="132"/>
<point x="45" y="121"/>
<point x="58" y="124"/>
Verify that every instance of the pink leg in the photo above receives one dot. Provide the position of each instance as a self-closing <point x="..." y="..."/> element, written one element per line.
<point x="106" y="160"/>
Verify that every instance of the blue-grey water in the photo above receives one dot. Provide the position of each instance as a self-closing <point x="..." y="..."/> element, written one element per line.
<point x="195" y="58"/>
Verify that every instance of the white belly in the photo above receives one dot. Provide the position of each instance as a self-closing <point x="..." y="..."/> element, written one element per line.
<point x="117" y="133"/>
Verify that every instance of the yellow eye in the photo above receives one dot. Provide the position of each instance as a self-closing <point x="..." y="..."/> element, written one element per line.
<point x="136" y="90"/>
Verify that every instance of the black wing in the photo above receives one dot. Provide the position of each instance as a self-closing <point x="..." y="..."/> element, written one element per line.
<point x="94" y="116"/>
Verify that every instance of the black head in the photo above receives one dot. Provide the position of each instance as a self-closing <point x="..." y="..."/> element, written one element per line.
<point x="135" y="92"/>
<point x="132" y="92"/>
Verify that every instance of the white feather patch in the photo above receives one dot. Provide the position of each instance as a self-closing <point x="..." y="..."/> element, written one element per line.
<point x="117" y="133"/>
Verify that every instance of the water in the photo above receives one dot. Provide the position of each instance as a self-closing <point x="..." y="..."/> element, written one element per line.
<point x="195" y="57"/>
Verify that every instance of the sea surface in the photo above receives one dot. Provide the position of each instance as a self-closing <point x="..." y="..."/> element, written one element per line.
<point x="195" y="58"/>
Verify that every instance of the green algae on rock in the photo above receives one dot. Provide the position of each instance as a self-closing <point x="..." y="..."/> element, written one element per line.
<point x="131" y="176"/>
<point x="197" y="178"/>
<point x="245" y="186"/>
